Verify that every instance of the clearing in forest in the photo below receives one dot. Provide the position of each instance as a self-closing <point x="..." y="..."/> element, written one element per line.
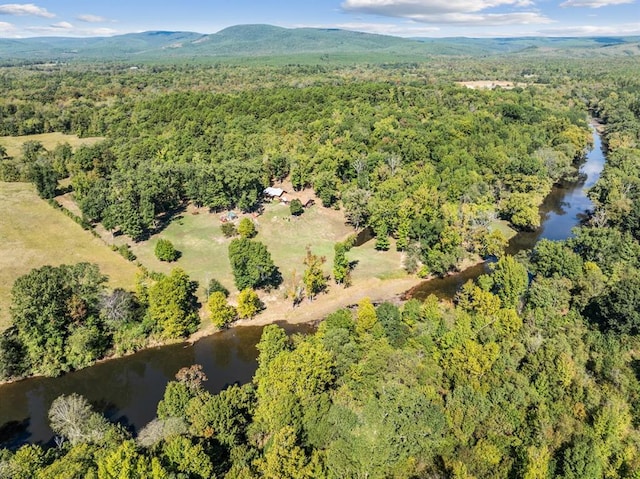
<point x="197" y="235"/>
<point x="13" y="144"/>
<point x="34" y="234"/>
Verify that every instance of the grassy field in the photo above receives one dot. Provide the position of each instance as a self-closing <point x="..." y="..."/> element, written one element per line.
<point x="13" y="144"/>
<point x="205" y="250"/>
<point x="34" y="234"/>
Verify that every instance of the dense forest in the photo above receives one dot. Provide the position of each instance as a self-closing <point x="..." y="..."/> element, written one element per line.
<point x="532" y="371"/>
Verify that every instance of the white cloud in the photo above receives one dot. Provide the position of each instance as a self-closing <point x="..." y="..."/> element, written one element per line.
<point x="24" y="9"/>
<point x="403" y="30"/>
<point x="410" y="8"/>
<point x="593" y="30"/>
<point x="91" y="18"/>
<point x="488" y="19"/>
<point x="62" y="25"/>
<point x="594" y="3"/>
<point x="462" y="12"/>
<point x="58" y="30"/>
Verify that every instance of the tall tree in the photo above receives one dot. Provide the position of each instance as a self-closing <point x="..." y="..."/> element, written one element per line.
<point x="314" y="278"/>
<point x="173" y="306"/>
<point x="252" y="265"/>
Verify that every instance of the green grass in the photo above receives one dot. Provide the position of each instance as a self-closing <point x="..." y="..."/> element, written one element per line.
<point x="34" y="234"/>
<point x="504" y="227"/>
<point x="376" y="264"/>
<point x="205" y="250"/>
<point x="13" y="144"/>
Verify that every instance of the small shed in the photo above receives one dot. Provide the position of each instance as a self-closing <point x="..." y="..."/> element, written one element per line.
<point x="272" y="192"/>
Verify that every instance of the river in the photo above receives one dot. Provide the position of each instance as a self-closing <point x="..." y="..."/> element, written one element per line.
<point x="128" y="389"/>
<point x="563" y="209"/>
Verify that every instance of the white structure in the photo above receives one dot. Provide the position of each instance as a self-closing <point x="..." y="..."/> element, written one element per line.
<point x="273" y="192"/>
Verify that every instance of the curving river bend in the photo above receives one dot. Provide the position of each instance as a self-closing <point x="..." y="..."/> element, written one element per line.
<point x="128" y="389"/>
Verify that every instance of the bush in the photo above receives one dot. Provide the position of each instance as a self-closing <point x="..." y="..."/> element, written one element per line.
<point x="165" y="251"/>
<point x="124" y="250"/>
<point x="249" y="303"/>
<point x="228" y="230"/>
<point x="216" y="286"/>
<point x="296" y="208"/>
<point x="246" y="228"/>
<point x="221" y="312"/>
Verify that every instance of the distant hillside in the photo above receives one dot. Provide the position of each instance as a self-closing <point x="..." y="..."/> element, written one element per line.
<point x="251" y="41"/>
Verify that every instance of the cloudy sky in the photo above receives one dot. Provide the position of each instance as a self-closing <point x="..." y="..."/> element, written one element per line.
<point x="433" y="18"/>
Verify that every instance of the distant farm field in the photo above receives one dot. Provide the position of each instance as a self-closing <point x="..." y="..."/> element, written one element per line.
<point x="33" y="234"/>
<point x="13" y="144"/>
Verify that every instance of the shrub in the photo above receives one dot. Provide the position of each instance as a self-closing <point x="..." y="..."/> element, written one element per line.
<point x="165" y="251"/>
<point x="246" y="228"/>
<point x="295" y="207"/>
<point x="216" y="286"/>
<point x="249" y="303"/>
<point x="125" y="251"/>
<point x="228" y="230"/>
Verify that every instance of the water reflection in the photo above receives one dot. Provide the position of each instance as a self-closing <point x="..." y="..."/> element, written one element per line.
<point x="127" y="390"/>
<point x="562" y="210"/>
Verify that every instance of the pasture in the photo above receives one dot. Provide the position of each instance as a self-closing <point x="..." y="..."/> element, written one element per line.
<point x="35" y="234"/>
<point x="205" y="250"/>
<point x="13" y="144"/>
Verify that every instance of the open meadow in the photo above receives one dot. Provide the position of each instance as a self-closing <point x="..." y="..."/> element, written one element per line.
<point x="205" y="250"/>
<point x="34" y="234"/>
<point x="13" y="144"/>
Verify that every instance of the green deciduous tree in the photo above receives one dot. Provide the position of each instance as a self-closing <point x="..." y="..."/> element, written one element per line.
<point x="295" y="207"/>
<point x="341" y="264"/>
<point x="510" y="280"/>
<point x="173" y="306"/>
<point x="46" y="303"/>
<point x="165" y="251"/>
<point x="183" y="456"/>
<point x="284" y="458"/>
<point x="249" y="303"/>
<point x="222" y="313"/>
<point x="246" y="228"/>
<point x="314" y="278"/>
<point x="216" y="286"/>
<point x="252" y="265"/>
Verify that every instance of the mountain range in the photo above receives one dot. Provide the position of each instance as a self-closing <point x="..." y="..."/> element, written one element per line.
<point x="261" y="41"/>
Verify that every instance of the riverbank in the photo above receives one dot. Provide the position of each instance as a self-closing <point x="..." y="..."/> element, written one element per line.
<point x="337" y="297"/>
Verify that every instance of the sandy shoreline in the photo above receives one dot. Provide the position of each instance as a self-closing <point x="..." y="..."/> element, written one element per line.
<point x="337" y="297"/>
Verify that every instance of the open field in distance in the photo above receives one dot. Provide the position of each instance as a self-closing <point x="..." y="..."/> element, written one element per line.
<point x="13" y="144"/>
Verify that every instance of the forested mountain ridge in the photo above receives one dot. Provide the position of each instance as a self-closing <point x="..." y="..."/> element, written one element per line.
<point x="244" y="41"/>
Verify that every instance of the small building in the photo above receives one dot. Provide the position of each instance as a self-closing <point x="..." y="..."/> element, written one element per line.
<point x="272" y="192"/>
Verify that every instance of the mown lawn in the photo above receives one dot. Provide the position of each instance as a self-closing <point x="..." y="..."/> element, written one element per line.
<point x="34" y="234"/>
<point x="205" y="250"/>
<point x="13" y="144"/>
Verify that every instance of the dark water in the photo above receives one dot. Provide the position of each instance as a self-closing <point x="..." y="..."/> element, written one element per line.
<point x="563" y="209"/>
<point x="128" y="389"/>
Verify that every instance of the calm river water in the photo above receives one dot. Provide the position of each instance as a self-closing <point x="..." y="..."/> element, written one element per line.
<point x="562" y="210"/>
<point x="128" y="389"/>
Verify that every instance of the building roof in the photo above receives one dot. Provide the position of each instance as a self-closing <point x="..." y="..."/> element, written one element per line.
<point x="271" y="191"/>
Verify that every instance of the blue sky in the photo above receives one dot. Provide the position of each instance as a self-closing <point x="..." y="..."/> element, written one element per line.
<point x="432" y="18"/>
